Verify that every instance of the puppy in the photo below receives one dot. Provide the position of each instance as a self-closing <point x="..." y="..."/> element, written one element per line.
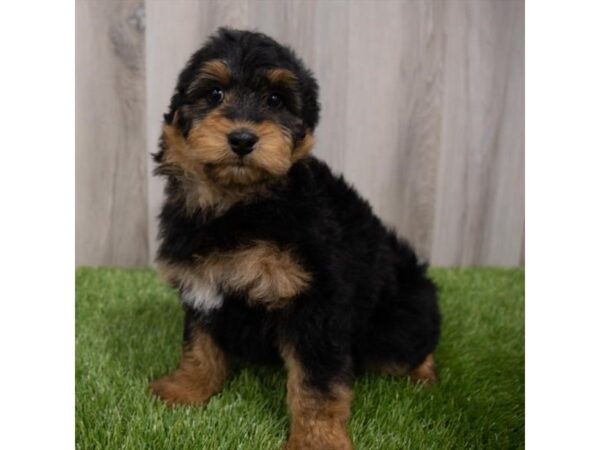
<point x="274" y="257"/>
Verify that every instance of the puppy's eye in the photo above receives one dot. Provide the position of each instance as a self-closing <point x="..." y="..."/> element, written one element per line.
<point x="274" y="101"/>
<point x="215" y="95"/>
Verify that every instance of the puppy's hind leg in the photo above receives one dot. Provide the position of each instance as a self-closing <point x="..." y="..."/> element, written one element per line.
<point x="424" y="373"/>
<point x="405" y="331"/>
<point x="201" y="373"/>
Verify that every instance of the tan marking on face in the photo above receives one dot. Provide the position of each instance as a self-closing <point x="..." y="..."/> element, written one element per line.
<point x="203" y="165"/>
<point x="201" y="373"/>
<point x="213" y="177"/>
<point x="318" y="419"/>
<point x="207" y="145"/>
<point x="265" y="273"/>
<point x="274" y="149"/>
<point x="282" y="78"/>
<point x="207" y="141"/>
<point x="213" y="71"/>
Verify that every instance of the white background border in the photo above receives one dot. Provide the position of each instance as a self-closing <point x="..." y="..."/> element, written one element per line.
<point x="562" y="148"/>
<point x="562" y="224"/>
<point x="37" y="399"/>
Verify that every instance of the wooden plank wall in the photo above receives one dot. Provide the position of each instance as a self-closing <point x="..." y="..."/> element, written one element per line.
<point x="110" y="138"/>
<point x="423" y="111"/>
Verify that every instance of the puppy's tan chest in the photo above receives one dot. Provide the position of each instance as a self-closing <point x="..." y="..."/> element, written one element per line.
<point x="262" y="272"/>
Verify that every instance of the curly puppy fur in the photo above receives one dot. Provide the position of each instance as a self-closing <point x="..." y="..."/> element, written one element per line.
<point x="275" y="258"/>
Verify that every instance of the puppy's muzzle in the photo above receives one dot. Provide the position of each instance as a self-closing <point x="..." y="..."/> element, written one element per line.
<point x="242" y="141"/>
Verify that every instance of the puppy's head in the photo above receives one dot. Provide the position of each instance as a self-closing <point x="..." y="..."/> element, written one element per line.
<point x="243" y="112"/>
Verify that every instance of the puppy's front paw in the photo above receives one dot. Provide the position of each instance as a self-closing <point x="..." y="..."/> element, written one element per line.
<point x="178" y="390"/>
<point x="319" y="435"/>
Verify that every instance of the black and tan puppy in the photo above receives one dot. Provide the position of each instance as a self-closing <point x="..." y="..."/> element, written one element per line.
<point x="276" y="258"/>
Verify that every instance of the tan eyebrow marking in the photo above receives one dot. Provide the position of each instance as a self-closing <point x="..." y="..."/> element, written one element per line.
<point x="214" y="70"/>
<point x="282" y="77"/>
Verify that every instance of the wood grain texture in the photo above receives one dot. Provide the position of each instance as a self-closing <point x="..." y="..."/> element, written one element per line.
<point x="422" y="110"/>
<point x="393" y="114"/>
<point x="111" y="179"/>
<point x="479" y="216"/>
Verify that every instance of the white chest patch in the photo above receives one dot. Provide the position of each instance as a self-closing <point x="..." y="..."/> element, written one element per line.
<point x="201" y="295"/>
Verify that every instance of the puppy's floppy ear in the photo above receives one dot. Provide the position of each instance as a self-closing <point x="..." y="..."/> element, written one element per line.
<point x="177" y="119"/>
<point x="173" y="107"/>
<point x="172" y="145"/>
<point x="171" y="122"/>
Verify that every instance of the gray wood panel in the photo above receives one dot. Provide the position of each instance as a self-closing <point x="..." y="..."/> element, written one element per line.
<point x="422" y="110"/>
<point x="479" y="216"/>
<point x="393" y="115"/>
<point x="110" y="176"/>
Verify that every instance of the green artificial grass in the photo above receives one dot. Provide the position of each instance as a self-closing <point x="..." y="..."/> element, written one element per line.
<point x="128" y="332"/>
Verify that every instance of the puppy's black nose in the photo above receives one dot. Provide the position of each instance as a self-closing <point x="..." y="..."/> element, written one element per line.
<point x="242" y="141"/>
